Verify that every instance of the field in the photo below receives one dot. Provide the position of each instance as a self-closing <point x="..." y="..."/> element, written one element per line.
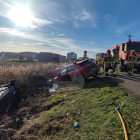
<point x="92" y="106"/>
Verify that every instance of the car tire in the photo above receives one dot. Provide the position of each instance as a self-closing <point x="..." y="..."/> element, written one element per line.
<point x="81" y="79"/>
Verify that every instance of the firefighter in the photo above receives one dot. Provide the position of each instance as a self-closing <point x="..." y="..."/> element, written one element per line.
<point x="115" y="62"/>
<point x="107" y="62"/>
<point x="85" y="55"/>
<point x="132" y="60"/>
<point x="99" y="61"/>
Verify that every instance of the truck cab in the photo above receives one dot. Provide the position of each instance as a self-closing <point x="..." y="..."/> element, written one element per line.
<point x="124" y="53"/>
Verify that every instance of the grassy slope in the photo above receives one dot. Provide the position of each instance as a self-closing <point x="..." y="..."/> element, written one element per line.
<point x="93" y="110"/>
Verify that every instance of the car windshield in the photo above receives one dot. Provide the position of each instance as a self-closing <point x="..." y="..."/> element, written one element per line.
<point x="133" y="46"/>
<point x="63" y="72"/>
<point x="71" y="68"/>
<point x="99" y="56"/>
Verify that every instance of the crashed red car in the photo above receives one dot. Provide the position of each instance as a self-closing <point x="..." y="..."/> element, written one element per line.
<point x="79" y="71"/>
<point x="56" y="71"/>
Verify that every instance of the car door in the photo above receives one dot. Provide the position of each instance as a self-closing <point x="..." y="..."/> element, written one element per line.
<point x="62" y="75"/>
<point x="71" y="72"/>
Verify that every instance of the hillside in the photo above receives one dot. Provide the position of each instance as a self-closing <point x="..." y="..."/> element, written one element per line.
<point x="92" y="106"/>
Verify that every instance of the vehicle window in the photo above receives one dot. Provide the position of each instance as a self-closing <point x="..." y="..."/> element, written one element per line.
<point x="63" y="72"/>
<point x="133" y="46"/>
<point x="99" y="56"/>
<point x="84" y="63"/>
<point x="71" y="68"/>
<point x="123" y="47"/>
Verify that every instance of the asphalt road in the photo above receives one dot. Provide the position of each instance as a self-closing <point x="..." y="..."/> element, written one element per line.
<point x="130" y="83"/>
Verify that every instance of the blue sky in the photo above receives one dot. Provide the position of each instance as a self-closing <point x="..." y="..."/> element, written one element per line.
<point x="62" y="26"/>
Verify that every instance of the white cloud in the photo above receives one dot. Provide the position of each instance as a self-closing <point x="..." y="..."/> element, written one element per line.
<point x="97" y="50"/>
<point x="56" y="46"/>
<point x="12" y="31"/>
<point x="66" y="43"/>
<point x="107" y="16"/>
<point x="122" y="29"/>
<point x="41" y="22"/>
<point x="7" y="4"/>
<point x="83" y="16"/>
<point x="52" y="33"/>
<point x="26" y="44"/>
<point x="58" y="20"/>
<point x="37" y="44"/>
<point x="85" y="19"/>
<point x="76" y="25"/>
<point x="9" y="42"/>
<point x="62" y="34"/>
<point x="23" y="34"/>
<point x="58" y="43"/>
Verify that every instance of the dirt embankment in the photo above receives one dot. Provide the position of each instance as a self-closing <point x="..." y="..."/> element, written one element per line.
<point x="33" y="94"/>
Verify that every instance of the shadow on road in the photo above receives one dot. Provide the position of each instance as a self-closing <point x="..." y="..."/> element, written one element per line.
<point x="100" y="82"/>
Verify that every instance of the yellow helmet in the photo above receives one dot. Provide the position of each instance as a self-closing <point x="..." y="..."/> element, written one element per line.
<point x="132" y="51"/>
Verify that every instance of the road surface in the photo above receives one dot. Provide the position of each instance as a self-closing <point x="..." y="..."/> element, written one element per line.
<point x="130" y="83"/>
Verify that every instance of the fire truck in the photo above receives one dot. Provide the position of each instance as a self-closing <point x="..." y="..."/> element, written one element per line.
<point x="97" y="56"/>
<point x="124" y="53"/>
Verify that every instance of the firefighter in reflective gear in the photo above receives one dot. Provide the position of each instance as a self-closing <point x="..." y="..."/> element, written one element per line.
<point x="107" y="62"/>
<point x="115" y="62"/>
<point x="99" y="61"/>
<point x="132" y="60"/>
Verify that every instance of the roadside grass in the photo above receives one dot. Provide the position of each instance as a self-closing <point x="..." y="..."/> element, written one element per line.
<point x="92" y="108"/>
<point x="23" y="72"/>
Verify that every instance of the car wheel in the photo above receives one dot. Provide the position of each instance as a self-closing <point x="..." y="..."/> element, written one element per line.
<point x="81" y="79"/>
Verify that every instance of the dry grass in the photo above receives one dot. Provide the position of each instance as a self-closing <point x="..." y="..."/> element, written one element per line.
<point x="22" y="72"/>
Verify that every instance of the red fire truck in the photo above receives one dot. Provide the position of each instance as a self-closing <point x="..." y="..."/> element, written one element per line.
<point x="124" y="53"/>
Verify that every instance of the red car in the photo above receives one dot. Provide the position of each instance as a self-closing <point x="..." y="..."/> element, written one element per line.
<point x="79" y="71"/>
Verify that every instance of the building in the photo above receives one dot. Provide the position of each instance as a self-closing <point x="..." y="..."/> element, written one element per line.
<point x="28" y="55"/>
<point x="44" y="56"/>
<point x="62" y="59"/>
<point x="9" y="54"/>
<point x="50" y="57"/>
<point x="71" y="56"/>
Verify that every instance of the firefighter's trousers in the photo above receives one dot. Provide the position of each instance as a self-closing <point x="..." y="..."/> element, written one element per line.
<point x="115" y="66"/>
<point x="107" y="66"/>
<point x="99" y="66"/>
<point x="130" y="68"/>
